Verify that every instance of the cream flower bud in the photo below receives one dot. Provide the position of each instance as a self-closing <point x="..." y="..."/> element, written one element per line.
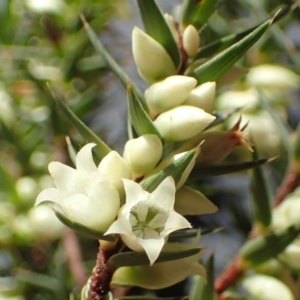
<point x="114" y="167"/>
<point x="291" y="255"/>
<point x="191" y="40"/>
<point x="152" y="60"/>
<point x="170" y="92"/>
<point x="287" y="213"/>
<point x="143" y="153"/>
<point x="247" y="99"/>
<point x="182" y="122"/>
<point x="262" y="287"/>
<point x="272" y="76"/>
<point x="203" y="96"/>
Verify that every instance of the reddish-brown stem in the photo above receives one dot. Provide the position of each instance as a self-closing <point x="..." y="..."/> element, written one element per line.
<point x="291" y="181"/>
<point x="99" y="282"/>
<point x="229" y="276"/>
<point x="73" y="253"/>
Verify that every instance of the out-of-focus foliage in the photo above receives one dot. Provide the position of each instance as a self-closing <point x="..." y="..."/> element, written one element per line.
<point x="47" y="44"/>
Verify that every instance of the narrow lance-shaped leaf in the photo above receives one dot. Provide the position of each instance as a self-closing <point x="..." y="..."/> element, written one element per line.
<point x="214" y="68"/>
<point x="225" y="42"/>
<point x="187" y="12"/>
<point x="139" y="118"/>
<point x="83" y="229"/>
<point x="203" y="12"/>
<point x="157" y="27"/>
<point x="112" y="64"/>
<point x="175" y="169"/>
<point x="102" y="149"/>
<point x="268" y="246"/>
<point x="200" y="172"/>
<point x="204" y="290"/>
<point x="261" y="203"/>
<point x="137" y="259"/>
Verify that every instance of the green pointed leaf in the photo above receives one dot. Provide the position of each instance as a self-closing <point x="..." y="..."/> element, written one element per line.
<point x="222" y="116"/>
<point x="91" y="233"/>
<point x="111" y="63"/>
<point x="268" y="246"/>
<point x="214" y="68"/>
<point x="139" y="118"/>
<point x="175" y="169"/>
<point x="157" y="27"/>
<point x="200" y="172"/>
<point x="188" y="9"/>
<point x="261" y="200"/>
<point x="225" y="42"/>
<point x="181" y="234"/>
<point x="203" y="12"/>
<point x="102" y="149"/>
<point x="201" y="290"/>
<point x="131" y="258"/>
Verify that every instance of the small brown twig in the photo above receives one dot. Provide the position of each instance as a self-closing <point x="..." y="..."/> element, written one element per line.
<point x="229" y="276"/>
<point x="73" y="253"/>
<point x="99" y="282"/>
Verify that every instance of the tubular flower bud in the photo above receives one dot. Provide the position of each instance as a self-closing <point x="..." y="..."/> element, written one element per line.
<point x="82" y="195"/>
<point x="272" y="76"/>
<point x="169" y="93"/>
<point x="152" y="60"/>
<point x="203" y="96"/>
<point x="115" y="167"/>
<point x="291" y="255"/>
<point x="182" y="122"/>
<point x="147" y="219"/>
<point x="191" y="202"/>
<point x="287" y="213"/>
<point x="263" y="287"/>
<point x="191" y="41"/>
<point x="143" y="153"/>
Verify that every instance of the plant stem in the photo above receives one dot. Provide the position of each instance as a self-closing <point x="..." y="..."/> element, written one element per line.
<point x="99" y="282"/>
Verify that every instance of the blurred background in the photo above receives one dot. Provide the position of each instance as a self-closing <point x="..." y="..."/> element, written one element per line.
<point x="44" y="42"/>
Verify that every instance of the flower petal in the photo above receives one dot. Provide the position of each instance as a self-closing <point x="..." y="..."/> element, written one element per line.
<point x="51" y="194"/>
<point x="175" y="222"/>
<point x="103" y="203"/>
<point x="134" y="192"/>
<point x="63" y="177"/>
<point x="152" y="247"/>
<point x="120" y="226"/>
<point x="84" y="159"/>
<point x="164" y="194"/>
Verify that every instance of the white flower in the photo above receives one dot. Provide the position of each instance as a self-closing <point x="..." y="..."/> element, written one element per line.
<point x="83" y="195"/>
<point x="147" y="219"/>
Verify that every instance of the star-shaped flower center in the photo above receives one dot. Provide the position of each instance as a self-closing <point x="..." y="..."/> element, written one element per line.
<point x="147" y="222"/>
